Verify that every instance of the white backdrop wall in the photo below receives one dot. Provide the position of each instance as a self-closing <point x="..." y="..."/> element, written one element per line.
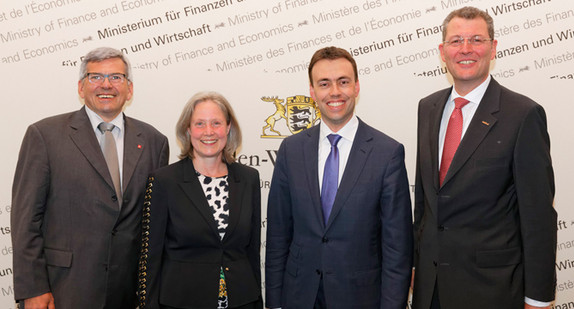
<point x="252" y="49"/>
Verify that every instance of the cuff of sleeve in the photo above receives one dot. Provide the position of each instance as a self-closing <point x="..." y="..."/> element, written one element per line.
<point x="536" y="303"/>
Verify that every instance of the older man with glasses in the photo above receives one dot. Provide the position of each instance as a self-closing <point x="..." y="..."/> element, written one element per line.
<point x="78" y="194"/>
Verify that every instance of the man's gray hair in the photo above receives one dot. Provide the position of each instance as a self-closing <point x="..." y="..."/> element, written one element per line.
<point x="103" y="53"/>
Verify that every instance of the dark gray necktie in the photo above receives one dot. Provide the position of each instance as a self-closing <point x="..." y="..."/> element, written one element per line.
<point x="111" y="155"/>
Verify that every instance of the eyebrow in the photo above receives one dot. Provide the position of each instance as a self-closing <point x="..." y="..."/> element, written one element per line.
<point x="106" y="73"/>
<point x="338" y="79"/>
<point x="462" y="36"/>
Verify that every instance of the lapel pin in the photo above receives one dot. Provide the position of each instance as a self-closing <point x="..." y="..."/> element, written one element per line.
<point x="139" y="146"/>
<point x="486" y="123"/>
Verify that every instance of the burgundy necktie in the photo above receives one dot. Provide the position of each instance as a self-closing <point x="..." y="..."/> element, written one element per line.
<point x="452" y="137"/>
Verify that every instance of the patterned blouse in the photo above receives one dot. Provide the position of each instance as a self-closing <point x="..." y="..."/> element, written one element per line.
<point x="216" y="191"/>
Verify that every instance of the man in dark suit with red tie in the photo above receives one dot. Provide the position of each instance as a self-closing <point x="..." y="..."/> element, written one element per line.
<point x="339" y="231"/>
<point x="485" y="226"/>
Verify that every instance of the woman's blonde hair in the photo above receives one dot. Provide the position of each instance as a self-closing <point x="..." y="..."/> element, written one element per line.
<point x="233" y="137"/>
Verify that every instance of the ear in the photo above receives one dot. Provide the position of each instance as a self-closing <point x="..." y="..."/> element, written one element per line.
<point x="312" y="92"/>
<point x="441" y="49"/>
<point x="357" y="88"/>
<point x="130" y="91"/>
<point x="493" y="49"/>
<point x="81" y="87"/>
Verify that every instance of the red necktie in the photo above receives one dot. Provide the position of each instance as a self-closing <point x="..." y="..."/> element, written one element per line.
<point x="452" y="137"/>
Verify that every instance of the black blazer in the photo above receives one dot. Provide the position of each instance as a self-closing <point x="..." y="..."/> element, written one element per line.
<point x="487" y="236"/>
<point x="181" y="268"/>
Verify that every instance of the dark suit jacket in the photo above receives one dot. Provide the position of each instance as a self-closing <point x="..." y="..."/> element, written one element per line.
<point x="68" y="233"/>
<point x="363" y="253"/>
<point x="185" y="249"/>
<point x="488" y="235"/>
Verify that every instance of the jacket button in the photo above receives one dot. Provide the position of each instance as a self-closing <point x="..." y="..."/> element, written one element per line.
<point x="114" y="198"/>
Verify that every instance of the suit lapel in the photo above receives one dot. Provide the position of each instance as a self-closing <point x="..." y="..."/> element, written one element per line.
<point x="435" y="118"/>
<point x="236" y="189"/>
<point x="360" y="151"/>
<point x="481" y="123"/>
<point x="134" y="143"/>
<point x="85" y="139"/>
<point x="311" y="168"/>
<point x="194" y="192"/>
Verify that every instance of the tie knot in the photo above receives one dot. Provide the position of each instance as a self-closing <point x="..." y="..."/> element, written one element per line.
<point x="460" y="102"/>
<point x="106" y="126"/>
<point x="334" y="139"/>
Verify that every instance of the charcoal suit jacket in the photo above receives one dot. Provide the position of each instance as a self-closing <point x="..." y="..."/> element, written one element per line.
<point x="69" y="235"/>
<point x="487" y="236"/>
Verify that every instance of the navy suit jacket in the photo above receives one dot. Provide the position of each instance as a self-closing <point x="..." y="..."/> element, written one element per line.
<point x="363" y="253"/>
<point x="487" y="236"/>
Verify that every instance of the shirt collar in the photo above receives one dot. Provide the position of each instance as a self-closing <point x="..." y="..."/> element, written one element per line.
<point x="475" y="96"/>
<point x="347" y="132"/>
<point x="95" y="120"/>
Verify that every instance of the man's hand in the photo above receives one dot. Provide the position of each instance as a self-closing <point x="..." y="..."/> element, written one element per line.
<point x="527" y="306"/>
<point x="44" y="301"/>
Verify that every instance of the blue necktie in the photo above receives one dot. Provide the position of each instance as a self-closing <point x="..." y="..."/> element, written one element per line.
<point x="330" y="177"/>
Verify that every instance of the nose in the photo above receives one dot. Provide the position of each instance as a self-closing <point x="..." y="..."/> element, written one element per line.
<point x="466" y="46"/>
<point x="106" y="83"/>
<point x="209" y="129"/>
<point x="335" y="91"/>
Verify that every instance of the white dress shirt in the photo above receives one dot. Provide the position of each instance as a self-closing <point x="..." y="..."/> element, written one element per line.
<point x="474" y="97"/>
<point x="344" y="145"/>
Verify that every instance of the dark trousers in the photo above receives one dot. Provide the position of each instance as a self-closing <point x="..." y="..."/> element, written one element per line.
<point x="435" y="302"/>
<point x="254" y="305"/>
<point x="320" y="302"/>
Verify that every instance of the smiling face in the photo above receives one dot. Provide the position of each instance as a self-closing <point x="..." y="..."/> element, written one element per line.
<point x="468" y="64"/>
<point x="335" y="90"/>
<point x="208" y="130"/>
<point x="105" y="99"/>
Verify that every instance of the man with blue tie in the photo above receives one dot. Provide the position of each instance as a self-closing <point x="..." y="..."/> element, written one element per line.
<point x="339" y="231"/>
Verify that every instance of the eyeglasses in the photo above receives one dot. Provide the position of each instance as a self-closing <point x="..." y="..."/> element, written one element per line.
<point x="473" y="40"/>
<point x="99" y="78"/>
